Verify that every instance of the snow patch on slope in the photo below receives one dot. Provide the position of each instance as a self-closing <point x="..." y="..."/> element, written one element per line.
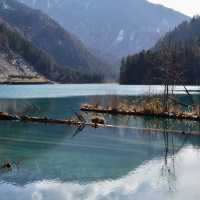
<point x="120" y="36"/>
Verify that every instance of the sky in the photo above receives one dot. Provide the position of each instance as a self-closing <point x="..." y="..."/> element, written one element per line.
<point x="188" y="7"/>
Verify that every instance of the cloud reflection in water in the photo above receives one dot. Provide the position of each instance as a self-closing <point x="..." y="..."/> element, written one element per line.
<point x="146" y="182"/>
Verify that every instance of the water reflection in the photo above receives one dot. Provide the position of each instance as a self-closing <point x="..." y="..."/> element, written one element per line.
<point x="44" y="152"/>
<point x="143" y="183"/>
<point x="62" y="162"/>
<point x="65" y="107"/>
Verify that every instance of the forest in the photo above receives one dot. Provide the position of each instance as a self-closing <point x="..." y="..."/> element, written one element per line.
<point x="13" y="41"/>
<point x="175" y="58"/>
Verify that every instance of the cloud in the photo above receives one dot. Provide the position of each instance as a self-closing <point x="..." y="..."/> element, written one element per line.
<point x="188" y="7"/>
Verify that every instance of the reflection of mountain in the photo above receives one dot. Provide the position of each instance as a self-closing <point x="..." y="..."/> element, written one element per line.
<point x="17" y="107"/>
<point x="54" y="107"/>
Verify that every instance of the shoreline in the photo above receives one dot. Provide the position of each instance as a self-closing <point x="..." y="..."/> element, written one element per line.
<point x="26" y="82"/>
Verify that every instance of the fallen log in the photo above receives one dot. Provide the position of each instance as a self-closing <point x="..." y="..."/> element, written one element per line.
<point x="9" y="117"/>
<point x="115" y="111"/>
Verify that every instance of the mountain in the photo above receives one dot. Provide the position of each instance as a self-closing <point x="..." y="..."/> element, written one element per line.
<point x="64" y="48"/>
<point x="175" y="59"/>
<point x="12" y="64"/>
<point x="186" y="31"/>
<point x="112" y="28"/>
<point x="22" y="62"/>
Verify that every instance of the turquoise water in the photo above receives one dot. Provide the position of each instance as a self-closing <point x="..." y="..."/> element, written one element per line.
<point x="55" y="162"/>
<point x="55" y="91"/>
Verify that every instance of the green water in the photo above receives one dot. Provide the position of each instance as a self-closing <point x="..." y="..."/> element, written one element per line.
<point x="61" y="162"/>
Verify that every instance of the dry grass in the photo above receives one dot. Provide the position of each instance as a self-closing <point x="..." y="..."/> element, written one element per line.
<point x="149" y="105"/>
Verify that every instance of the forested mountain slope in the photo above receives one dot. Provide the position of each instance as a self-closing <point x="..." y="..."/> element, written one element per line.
<point x="21" y="61"/>
<point x="64" y="48"/>
<point x="175" y="59"/>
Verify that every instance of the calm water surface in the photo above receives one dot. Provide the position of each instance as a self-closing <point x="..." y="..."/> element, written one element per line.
<point x="69" y="90"/>
<point x="53" y="162"/>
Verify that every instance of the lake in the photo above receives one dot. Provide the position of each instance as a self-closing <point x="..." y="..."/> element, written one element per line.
<point x="56" y="162"/>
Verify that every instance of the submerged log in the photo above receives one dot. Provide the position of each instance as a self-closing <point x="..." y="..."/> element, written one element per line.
<point x="6" y="116"/>
<point x="50" y="121"/>
<point x="25" y="118"/>
<point x="100" y="123"/>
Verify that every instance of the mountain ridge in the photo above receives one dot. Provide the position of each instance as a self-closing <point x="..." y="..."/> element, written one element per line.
<point x="175" y="59"/>
<point x="40" y="29"/>
<point x="22" y="62"/>
<point x="111" y="27"/>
